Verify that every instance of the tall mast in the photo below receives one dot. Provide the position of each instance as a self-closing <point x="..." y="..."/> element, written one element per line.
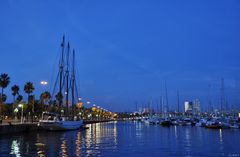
<point x="177" y="101"/>
<point x="166" y="92"/>
<point x="73" y="79"/>
<point x="209" y="97"/>
<point x="222" y="94"/>
<point x="67" y="77"/>
<point x="61" y="71"/>
<point x="161" y="104"/>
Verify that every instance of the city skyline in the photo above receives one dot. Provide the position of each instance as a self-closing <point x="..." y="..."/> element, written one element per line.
<point x="126" y="51"/>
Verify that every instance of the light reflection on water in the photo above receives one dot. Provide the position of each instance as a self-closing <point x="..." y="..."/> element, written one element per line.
<point x="124" y="139"/>
<point x="220" y="136"/>
<point x="15" y="148"/>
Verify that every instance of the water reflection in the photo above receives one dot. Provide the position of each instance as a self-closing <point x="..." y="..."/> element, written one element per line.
<point x="122" y="139"/>
<point x="188" y="145"/>
<point x="78" y="145"/>
<point x="100" y="136"/>
<point x="15" y="148"/>
<point x="220" y="136"/>
<point x="64" y="148"/>
<point x="175" y="131"/>
<point x="139" y="132"/>
<point x="40" y="146"/>
<point x="115" y="133"/>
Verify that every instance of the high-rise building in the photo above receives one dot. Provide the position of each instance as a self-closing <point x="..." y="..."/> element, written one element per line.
<point x="192" y="107"/>
<point x="196" y="106"/>
<point x="188" y="106"/>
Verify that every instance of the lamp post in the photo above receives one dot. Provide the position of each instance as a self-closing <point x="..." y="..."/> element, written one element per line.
<point x="21" y="105"/>
<point x="43" y="83"/>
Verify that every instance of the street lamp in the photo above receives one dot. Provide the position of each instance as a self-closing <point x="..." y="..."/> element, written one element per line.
<point x="21" y="105"/>
<point x="43" y="83"/>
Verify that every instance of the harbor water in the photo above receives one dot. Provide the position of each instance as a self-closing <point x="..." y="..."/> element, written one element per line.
<point x="119" y="139"/>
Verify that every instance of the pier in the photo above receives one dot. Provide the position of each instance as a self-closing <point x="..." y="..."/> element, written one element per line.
<point x="9" y="127"/>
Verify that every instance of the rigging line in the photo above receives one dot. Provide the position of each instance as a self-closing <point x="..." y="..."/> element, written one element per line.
<point x="76" y="90"/>
<point x="53" y="72"/>
<point x="55" y="84"/>
<point x="77" y="72"/>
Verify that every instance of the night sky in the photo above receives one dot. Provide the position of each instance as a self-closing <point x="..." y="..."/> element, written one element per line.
<point x="126" y="50"/>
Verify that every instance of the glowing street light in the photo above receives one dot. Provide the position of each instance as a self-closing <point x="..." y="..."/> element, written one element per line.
<point x="21" y="106"/>
<point x="43" y="83"/>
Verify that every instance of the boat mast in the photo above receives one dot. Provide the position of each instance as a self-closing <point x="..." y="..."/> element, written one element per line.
<point x="177" y="101"/>
<point x="67" y="77"/>
<point x="166" y="92"/>
<point x="61" y="71"/>
<point x="222" y="100"/>
<point x="73" y="79"/>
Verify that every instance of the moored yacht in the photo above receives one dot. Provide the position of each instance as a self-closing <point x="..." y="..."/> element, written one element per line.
<point x="54" y="122"/>
<point x="67" y="85"/>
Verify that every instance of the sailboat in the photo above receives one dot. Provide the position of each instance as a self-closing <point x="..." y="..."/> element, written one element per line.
<point x="63" y="120"/>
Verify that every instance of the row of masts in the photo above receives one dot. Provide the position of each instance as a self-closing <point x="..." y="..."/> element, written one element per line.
<point x="66" y="77"/>
<point x="164" y="104"/>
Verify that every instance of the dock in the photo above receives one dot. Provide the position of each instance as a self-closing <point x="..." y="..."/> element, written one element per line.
<point x="8" y="128"/>
<point x="17" y="127"/>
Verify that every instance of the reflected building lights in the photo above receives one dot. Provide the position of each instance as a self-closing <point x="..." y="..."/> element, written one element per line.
<point x="188" y="140"/>
<point x="40" y="147"/>
<point x="64" y="147"/>
<point x="78" y="145"/>
<point x="220" y="136"/>
<point x="15" y="150"/>
<point x="115" y="133"/>
<point x="175" y="131"/>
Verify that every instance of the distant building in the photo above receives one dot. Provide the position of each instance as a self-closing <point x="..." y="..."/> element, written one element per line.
<point x="188" y="106"/>
<point x="196" y="106"/>
<point x="192" y="106"/>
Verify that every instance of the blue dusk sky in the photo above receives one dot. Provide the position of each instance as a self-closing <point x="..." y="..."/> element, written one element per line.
<point x="126" y="49"/>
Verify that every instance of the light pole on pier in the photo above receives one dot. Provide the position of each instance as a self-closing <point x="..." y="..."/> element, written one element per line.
<point x="21" y="106"/>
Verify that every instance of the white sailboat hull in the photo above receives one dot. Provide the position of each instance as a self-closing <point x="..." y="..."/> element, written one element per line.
<point x="60" y="125"/>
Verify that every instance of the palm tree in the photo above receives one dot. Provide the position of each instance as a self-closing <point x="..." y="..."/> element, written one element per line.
<point x="45" y="96"/>
<point x="3" y="97"/>
<point x="29" y="88"/>
<point x="59" y="97"/>
<point x="15" y="90"/>
<point x="4" y="82"/>
<point x="19" y="98"/>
